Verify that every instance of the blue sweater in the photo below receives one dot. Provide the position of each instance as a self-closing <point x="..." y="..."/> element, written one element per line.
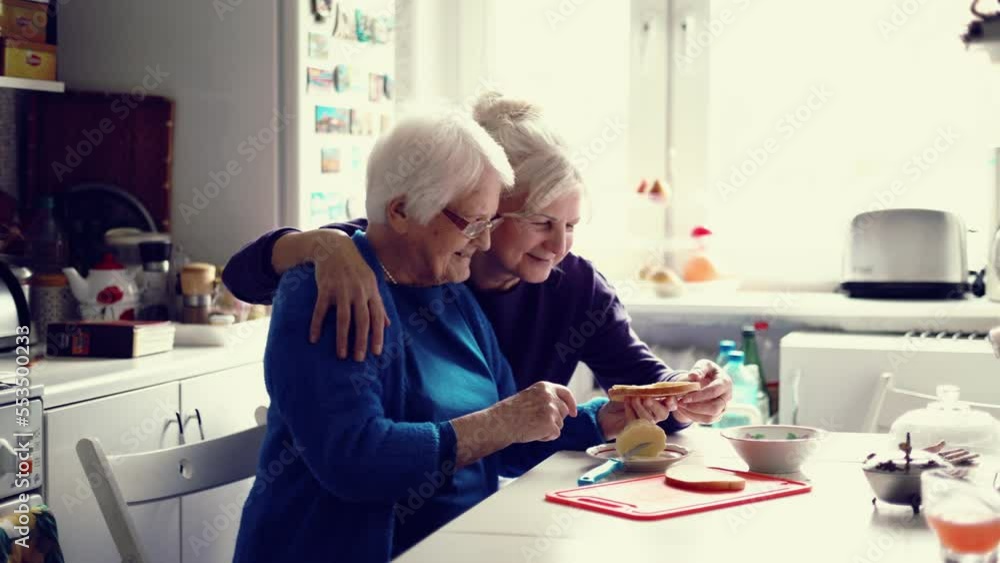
<point x="358" y="463"/>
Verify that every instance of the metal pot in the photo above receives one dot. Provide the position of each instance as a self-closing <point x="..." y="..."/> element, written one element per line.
<point x="895" y="482"/>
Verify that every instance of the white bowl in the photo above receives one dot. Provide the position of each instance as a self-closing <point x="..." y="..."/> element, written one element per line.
<point x="774" y="449"/>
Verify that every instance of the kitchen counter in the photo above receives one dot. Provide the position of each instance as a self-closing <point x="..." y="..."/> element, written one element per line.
<point x="836" y="517"/>
<point x="814" y="311"/>
<point x="73" y="380"/>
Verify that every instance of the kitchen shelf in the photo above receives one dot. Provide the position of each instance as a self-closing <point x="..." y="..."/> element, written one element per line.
<point x="30" y="84"/>
<point x="816" y="311"/>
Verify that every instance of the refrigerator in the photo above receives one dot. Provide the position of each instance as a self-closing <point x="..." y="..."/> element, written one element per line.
<point x="277" y="103"/>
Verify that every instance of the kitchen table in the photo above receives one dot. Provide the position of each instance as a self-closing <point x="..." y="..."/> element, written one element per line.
<point x="834" y="522"/>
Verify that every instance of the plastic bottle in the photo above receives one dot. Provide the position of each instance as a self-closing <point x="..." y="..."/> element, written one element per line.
<point x="746" y="386"/>
<point x="725" y="347"/>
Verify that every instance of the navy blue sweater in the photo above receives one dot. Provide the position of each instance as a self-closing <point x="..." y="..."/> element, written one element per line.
<point x="358" y="463"/>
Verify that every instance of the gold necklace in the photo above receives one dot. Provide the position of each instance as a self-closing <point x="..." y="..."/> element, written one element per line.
<point x="392" y="280"/>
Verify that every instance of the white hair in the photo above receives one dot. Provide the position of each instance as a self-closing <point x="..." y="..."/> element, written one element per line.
<point x="432" y="160"/>
<point x="539" y="156"/>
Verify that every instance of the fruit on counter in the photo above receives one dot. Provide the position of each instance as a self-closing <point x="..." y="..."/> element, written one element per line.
<point x="637" y="432"/>
<point x="699" y="267"/>
<point x="653" y="390"/>
<point x="697" y="478"/>
<point x="664" y="275"/>
<point x="657" y="191"/>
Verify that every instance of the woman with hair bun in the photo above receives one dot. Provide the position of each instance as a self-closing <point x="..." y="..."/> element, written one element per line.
<point x="551" y="309"/>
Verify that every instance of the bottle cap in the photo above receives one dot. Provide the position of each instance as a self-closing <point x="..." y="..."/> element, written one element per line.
<point x="727" y="345"/>
<point x="736" y="355"/>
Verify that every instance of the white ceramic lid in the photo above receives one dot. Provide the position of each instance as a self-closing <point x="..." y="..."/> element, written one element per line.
<point x="948" y="420"/>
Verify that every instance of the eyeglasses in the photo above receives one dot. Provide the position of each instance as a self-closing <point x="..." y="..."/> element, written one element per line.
<point x="472" y="229"/>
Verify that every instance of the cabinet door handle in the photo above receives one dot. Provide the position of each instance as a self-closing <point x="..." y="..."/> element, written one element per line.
<point x="196" y="416"/>
<point x="201" y="430"/>
<point x="180" y="424"/>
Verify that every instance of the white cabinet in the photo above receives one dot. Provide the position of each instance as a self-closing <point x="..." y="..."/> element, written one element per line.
<point x="126" y="423"/>
<point x="226" y="402"/>
<point x="193" y="529"/>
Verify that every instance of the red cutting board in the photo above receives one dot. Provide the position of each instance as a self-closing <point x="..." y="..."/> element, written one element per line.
<point x="651" y="498"/>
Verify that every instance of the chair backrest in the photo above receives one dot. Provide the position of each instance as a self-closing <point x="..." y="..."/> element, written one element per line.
<point x="890" y="402"/>
<point x="119" y="481"/>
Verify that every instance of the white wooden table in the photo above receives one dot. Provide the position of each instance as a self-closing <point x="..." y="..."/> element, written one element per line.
<point x="834" y="522"/>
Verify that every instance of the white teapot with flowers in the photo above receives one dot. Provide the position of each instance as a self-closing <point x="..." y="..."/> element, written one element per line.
<point x="108" y="294"/>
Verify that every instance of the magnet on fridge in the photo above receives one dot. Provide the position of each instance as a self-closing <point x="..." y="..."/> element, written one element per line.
<point x="341" y="78"/>
<point x="319" y="79"/>
<point x="376" y="84"/>
<point x="363" y="27"/>
<point x="319" y="46"/>
<point x="356" y="157"/>
<point x="387" y="85"/>
<point x="343" y="25"/>
<point x="322" y="9"/>
<point x="330" y="160"/>
<point x="356" y="125"/>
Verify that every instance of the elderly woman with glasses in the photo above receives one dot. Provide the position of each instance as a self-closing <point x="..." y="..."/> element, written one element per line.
<point x="363" y="459"/>
<point x="551" y="309"/>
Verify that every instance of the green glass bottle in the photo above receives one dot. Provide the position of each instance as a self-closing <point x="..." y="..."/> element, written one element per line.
<point x="752" y="358"/>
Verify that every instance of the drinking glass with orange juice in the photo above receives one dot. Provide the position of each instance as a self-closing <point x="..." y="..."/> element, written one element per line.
<point x="964" y="514"/>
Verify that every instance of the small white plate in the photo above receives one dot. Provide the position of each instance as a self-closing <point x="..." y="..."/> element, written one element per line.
<point x="670" y="455"/>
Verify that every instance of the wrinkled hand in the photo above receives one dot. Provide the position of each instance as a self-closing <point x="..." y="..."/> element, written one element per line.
<point x="614" y="416"/>
<point x="344" y="279"/>
<point x="536" y="413"/>
<point x="708" y="403"/>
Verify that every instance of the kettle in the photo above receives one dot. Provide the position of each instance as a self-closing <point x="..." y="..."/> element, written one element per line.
<point x="107" y="294"/>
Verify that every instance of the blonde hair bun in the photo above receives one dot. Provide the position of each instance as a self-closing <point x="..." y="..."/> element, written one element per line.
<point x="494" y="110"/>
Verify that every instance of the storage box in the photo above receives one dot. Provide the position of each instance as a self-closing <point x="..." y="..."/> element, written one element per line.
<point x="24" y="20"/>
<point x="25" y="59"/>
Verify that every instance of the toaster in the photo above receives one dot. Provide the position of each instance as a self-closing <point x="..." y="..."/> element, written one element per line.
<point x="906" y="254"/>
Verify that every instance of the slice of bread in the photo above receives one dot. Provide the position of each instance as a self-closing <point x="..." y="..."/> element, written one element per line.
<point x="641" y="432"/>
<point x="653" y="390"/>
<point x="697" y="478"/>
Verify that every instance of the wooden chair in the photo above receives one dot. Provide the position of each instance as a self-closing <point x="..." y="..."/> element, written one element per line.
<point x="120" y="481"/>
<point x="890" y="402"/>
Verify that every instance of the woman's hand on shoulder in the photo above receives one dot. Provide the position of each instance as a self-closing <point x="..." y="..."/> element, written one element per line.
<point x="344" y="280"/>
